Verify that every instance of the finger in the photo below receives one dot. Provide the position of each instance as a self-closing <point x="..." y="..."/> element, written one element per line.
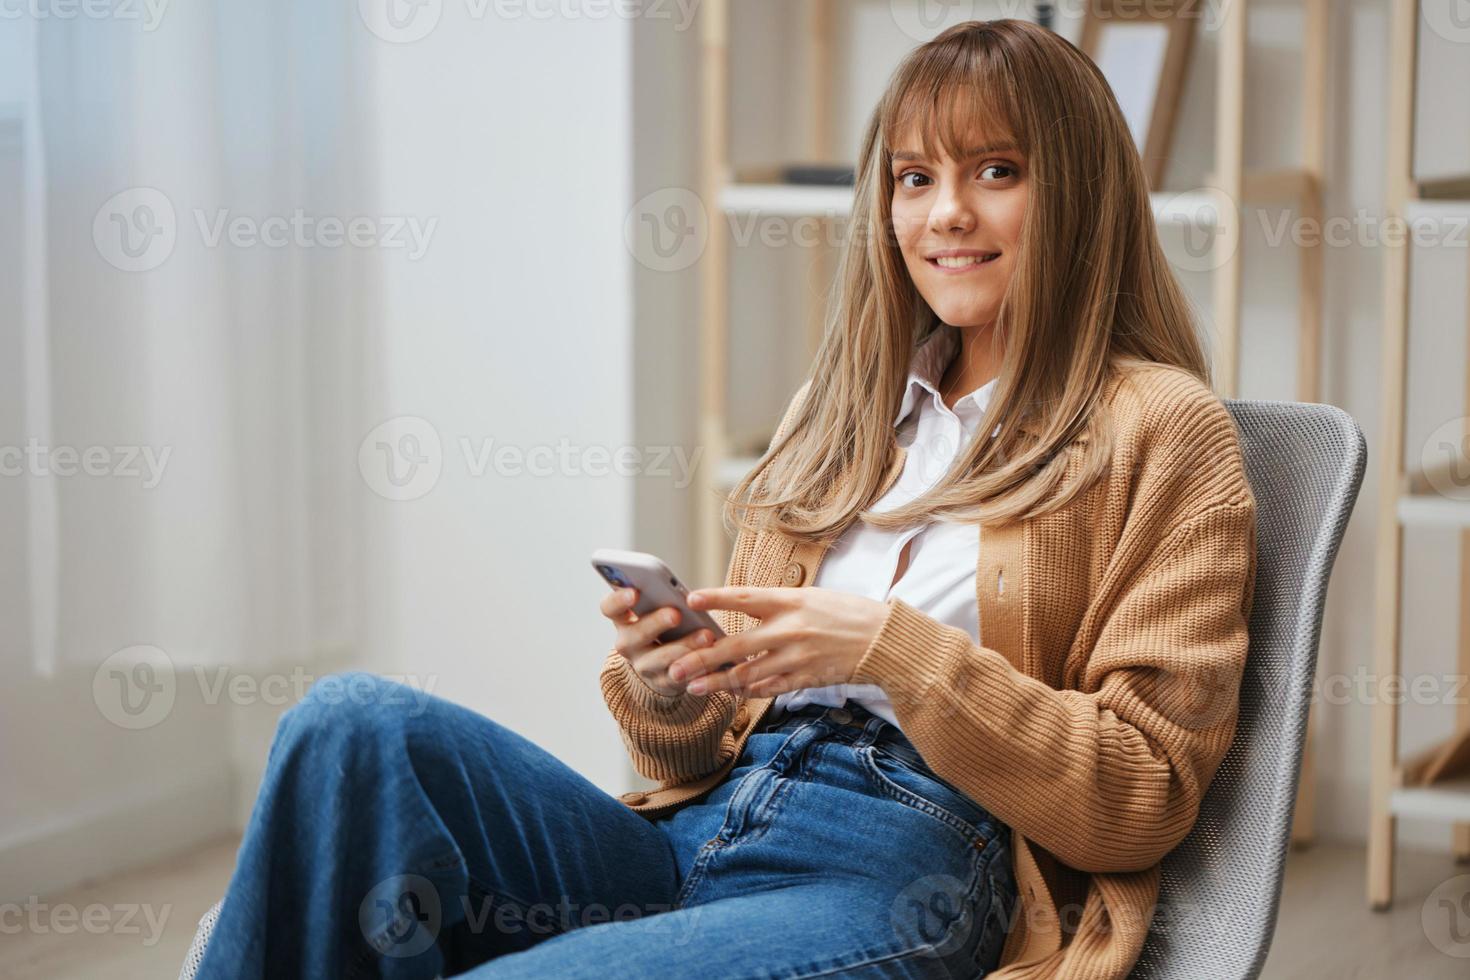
<point x="747" y="675"/>
<point x="731" y="648"/>
<point x="734" y="648"/>
<point x="736" y="679"/>
<point x="757" y="602"/>
<point x="644" y="631"/>
<point x="618" y="603"/>
<point x="656" y="659"/>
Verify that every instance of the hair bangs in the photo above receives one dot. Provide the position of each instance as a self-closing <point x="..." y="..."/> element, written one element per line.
<point x="957" y="104"/>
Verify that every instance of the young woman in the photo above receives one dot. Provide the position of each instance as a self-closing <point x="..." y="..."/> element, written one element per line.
<point x="987" y="609"/>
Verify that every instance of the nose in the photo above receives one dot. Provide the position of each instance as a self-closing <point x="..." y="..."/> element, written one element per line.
<point x="952" y="211"/>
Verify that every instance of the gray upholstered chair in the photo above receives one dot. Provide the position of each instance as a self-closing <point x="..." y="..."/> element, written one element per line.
<point x="1222" y="884"/>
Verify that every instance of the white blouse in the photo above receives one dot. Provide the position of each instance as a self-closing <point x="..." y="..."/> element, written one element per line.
<point x="940" y="577"/>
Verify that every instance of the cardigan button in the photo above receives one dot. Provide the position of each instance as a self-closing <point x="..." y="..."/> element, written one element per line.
<point x="634" y="799"/>
<point x="793" y="574"/>
<point x="742" y="715"/>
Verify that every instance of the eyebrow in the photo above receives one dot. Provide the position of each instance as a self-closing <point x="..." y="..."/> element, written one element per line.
<point x="974" y="152"/>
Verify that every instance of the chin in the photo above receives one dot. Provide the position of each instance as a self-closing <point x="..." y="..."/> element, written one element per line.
<point x="967" y="316"/>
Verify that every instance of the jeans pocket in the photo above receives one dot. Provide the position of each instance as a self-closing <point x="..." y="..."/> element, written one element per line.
<point x="920" y="789"/>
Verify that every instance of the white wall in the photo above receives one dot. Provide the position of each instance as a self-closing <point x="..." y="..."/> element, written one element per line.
<point x="517" y="327"/>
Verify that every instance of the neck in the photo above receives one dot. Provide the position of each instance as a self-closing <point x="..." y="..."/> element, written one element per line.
<point x="976" y="364"/>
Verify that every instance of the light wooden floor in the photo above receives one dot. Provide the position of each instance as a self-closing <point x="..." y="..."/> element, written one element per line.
<point x="1325" y="930"/>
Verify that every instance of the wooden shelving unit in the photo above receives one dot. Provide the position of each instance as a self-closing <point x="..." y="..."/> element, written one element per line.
<point x="1406" y="497"/>
<point x="1298" y="187"/>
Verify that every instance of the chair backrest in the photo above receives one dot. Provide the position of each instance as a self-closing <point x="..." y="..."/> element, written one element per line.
<point x="1222" y="884"/>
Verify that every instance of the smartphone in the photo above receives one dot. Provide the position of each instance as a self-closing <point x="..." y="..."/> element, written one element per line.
<point x="657" y="587"/>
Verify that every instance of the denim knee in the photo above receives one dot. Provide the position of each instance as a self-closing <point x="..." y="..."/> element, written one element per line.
<point x="347" y="708"/>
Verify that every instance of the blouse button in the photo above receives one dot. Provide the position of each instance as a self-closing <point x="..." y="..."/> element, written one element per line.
<point x="793" y="573"/>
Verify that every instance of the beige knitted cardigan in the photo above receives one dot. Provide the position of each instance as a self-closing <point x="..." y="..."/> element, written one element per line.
<point x="1102" y="697"/>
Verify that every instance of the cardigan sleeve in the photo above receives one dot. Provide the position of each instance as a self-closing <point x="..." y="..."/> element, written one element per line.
<point x="675" y="739"/>
<point x="1108" y="777"/>
<point x="669" y="739"/>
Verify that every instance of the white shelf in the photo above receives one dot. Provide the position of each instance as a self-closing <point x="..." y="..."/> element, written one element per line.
<point x="1423" y="509"/>
<point x="1431" y="209"/>
<point x="1190" y="207"/>
<point x="799" y="200"/>
<point x="786" y="200"/>
<point x="1447" y="800"/>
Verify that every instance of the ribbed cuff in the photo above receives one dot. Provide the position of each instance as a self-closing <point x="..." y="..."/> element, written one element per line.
<point x="909" y="653"/>
<point x="678" y="708"/>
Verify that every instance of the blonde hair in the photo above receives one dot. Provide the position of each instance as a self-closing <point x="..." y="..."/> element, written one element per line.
<point x="1091" y="293"/>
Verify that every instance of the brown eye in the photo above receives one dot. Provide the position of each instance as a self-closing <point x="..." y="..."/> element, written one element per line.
<point x="1006" y="171"/>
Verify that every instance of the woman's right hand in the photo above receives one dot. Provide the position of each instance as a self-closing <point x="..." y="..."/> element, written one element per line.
<point x="637" y="639"/>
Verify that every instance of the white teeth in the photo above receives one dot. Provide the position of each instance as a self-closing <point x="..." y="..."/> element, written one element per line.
<point x="959" y="261"/>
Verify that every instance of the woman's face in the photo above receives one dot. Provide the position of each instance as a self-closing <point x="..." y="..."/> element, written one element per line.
<point x="958" y="224"/>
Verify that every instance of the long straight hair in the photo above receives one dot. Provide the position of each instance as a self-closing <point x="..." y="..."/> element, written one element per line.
<point x="1091" y="293"/>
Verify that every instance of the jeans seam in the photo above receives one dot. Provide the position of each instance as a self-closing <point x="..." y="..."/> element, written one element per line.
<point x="506" y="898"/>
<point x="978" y="873"/>
<point x="922" y="768"/>
<point x="361" y="961"/>
<point x="698" y="869"/>
<point x="976" y="838"/>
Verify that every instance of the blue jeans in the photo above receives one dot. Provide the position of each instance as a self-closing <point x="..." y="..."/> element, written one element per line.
<point x="400" y="835"/>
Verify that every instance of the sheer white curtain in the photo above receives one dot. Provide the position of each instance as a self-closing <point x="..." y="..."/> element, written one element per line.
<point x="191" y="341"/>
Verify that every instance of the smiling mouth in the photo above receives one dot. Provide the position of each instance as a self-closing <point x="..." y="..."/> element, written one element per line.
<point x="960" y="262"/>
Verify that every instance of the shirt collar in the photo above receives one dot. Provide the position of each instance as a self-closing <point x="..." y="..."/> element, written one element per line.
<point x="926" y="370"/>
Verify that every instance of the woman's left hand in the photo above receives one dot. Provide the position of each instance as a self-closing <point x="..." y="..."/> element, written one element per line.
<point x="810" y="637"/>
